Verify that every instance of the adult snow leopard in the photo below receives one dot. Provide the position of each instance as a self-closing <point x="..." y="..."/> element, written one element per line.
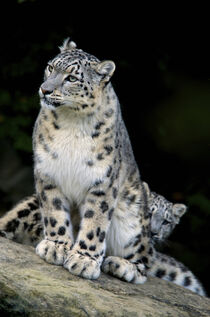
<point x="84" y="168"/>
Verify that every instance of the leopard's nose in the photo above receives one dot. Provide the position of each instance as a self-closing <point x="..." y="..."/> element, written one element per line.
<point x="45" y="91"/>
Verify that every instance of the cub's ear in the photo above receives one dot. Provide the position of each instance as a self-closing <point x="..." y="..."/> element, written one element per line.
<point x="68" y="45"/>
<point x="179" y="210"/>
<point x="106" y="69"/>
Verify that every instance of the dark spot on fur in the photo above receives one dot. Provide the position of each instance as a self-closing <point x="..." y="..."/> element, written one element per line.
<point x="25" y="225"/>
<point x="160" y="273"/>
<point x="55" y="255"/>
<point x="172" y="276"/>
<point x="67" y="223"/>
<point x="144" y="259"/>
<point x="109" y="113"/>
<point x="74" y="266"/>
<point x="84" y="106"/>
<point x="108" y="174"/>
<point x="12" y="225"/>
<point x="141" y="248"/>
<point x="57" y="203"/>
<point x="182" y="267"/>
<point x="90" y="163"/>
<point x="99" y="125"/>
<point x="114" y="192"/>
<point x="61" y="231"/>
<point x="137" y="240"/>
<point x="108" y="149"/>
<point x="52" y="234"/>
<point x="82" y="244"/>
<point x="102" y="236"/>
<point x="130" y="256"/>
<point x="37" y="216"/>
<point x="98" y="193"/>
<point x="104" y="206"/>
<point x="32" y="206"/>
<point x="187" y="281"/>
<point x="53" y="221"/>
<point x="90" y="235"/>
<point x="45" y="221"/>
<point x="49" y="187"/>
<point x="54" y="155"/>
<point x="46" y="147"/>
<point x="41" y="138"/>
<point x="92" y="248"/>
<point x="100" y="156"/>
<point x="150" y="251"/>
<point x="23" y="213"/>
<point x="110" y="213"/>
<point x="43" y="195"/>
<point x="89" y="213"/>
<point x="95" y="135"/>
<point x="54" y="114"/>
<point x="98" y="231"/>
<point x="39" y="230"/>
<point x="56" y="126"/>
<point x="30" y="228"/>
<point x="97" y="182"/>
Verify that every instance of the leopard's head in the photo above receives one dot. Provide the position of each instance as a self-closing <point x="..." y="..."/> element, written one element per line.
<point x="74" y="79"/>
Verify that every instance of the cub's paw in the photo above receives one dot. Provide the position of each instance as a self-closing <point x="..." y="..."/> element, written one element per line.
<point x="125" y="270"/>
<point x="53" y="252"/>
<point x="82" y="265"/>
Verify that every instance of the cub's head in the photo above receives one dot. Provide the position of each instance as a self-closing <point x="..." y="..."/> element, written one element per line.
<point x="164" y="215"/>
<point x="74" y="79"/>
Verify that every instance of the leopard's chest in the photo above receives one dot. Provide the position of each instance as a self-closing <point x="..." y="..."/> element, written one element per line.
<point x="70" y="162"/>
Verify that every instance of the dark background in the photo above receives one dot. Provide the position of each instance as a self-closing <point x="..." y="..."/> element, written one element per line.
<point x="162" y="80"/>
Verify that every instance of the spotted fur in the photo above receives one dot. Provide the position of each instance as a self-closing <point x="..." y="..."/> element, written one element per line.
<point x="86" y="176"/>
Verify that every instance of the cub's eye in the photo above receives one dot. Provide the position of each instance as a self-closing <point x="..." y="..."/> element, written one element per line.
<point x="71" y="78"/>
<point x="165" y="222"/>
<point x="50" y="68"/>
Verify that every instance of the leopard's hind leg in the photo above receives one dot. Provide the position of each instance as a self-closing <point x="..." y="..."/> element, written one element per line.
<point x="23" y="222"/>
<point x="129" y="251"/>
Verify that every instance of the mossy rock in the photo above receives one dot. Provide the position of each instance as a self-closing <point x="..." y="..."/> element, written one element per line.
<point x="31" y="287"/>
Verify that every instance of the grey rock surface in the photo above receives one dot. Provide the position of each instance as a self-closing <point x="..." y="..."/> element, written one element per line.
<point x="31" y="287"/>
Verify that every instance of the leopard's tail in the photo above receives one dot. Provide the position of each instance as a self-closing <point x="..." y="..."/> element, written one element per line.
<point x="169" y="269"/>
<point x="23" y="223"/>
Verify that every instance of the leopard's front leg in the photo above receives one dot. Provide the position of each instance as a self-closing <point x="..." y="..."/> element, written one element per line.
<point x="87" y="254"/>
<point x="55" y="209"/>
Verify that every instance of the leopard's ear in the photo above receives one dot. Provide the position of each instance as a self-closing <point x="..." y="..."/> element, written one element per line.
<point x="179" y="210"/>
<point x="146" y="188"/>
<point x="105" y="69"/>
<point x="68" y="45"/>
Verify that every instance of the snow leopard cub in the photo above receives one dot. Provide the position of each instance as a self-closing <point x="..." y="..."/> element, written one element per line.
<point x="164" y="215"/>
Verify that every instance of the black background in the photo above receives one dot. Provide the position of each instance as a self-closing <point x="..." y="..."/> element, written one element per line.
<point x="162" y="77"/>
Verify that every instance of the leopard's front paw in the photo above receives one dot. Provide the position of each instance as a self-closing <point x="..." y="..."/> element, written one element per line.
<point x="124" y="269"/>
<point x="53" y="252"/>
<point x="82" y="265"/>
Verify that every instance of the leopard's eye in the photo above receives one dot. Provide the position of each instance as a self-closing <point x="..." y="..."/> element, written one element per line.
<point x="71" y="78"/>
<point x="50" y="68"/>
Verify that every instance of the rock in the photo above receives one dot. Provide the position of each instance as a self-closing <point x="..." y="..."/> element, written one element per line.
<point x="31" y="287"/>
